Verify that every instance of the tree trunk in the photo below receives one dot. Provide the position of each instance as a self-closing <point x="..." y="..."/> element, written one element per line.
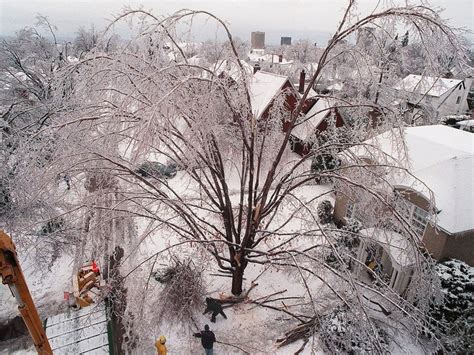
<point x="237" y="280"/>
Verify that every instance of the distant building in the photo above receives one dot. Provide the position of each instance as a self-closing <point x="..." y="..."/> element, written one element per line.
<point x="285" y="41"/>
<point x="258" y="40"/>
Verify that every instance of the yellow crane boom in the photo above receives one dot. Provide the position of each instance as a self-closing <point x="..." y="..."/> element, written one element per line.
<point x="12" y="275"/>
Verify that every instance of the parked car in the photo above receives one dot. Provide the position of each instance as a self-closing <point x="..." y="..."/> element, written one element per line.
<point x="157" y="170"/>
<point x="467" y="125"/>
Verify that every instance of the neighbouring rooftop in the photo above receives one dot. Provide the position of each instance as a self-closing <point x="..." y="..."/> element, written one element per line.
<point x="426" y="85"/>
<point x="263" y="87"/>
<point x="313" y="118"/>
<point x="440" y="160"/>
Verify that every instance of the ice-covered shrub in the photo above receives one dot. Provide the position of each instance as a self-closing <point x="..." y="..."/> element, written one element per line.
<point x="344" y="331"/>
<point x="456" y="313"/>
<point x="182" y="293"/>
<point x="325" y="210"/>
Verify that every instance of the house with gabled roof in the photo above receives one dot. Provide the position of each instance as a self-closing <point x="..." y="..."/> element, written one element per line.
<point x="433" y="96"/>
<point x="231" y="69"/>
<point x="265" y="87"/>
<point x="316" y="120"/>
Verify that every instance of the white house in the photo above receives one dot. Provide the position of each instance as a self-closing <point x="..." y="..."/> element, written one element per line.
<point x="436" y="96"/>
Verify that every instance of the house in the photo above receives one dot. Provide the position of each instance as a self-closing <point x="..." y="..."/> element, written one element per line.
<point x="435" y="97"/>
<point x="264" y="88"/>
<point x="231" y="69"/>
<point x="440" y="179"/>
<point x="315" y="121"/>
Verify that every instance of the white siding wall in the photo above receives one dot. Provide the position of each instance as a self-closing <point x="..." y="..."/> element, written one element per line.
<point x="448" y="103"/>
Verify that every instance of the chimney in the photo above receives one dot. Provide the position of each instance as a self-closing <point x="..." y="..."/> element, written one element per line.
<point x="280" y="58"/>
<point x="256" y="67"/>
<point x="302" y="77"/>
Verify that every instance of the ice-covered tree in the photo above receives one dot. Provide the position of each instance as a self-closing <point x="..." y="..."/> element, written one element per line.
<point x="237" y="198"/>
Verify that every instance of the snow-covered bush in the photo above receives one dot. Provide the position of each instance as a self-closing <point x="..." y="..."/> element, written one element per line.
<point x="347" y="242"/>
<point x="345" y="331"/>
<point x="325" y="210"/>
<point x="456" y="313"/>
<point x="353" y="226"/>
<point x="322" y="163"/>
<point x="182" y="293"/>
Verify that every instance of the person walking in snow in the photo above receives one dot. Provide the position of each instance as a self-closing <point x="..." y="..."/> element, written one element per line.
<point x="215" y="307"/>
<point x="160" y="346"/>
<point x="208" y="339"/>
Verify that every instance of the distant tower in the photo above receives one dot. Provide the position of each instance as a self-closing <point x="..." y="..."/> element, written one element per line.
<point x="285" y="41"/>
<point x="258" y="40"/>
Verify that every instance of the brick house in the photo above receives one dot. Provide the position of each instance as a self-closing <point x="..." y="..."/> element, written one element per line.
<point x="318" y="113"/>
<point x="264" y="88"/>
<point x="440" y="162"/>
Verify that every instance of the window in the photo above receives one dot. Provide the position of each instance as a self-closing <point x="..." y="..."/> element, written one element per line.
<point x="458" y="100"/>
<point x="419" y="219"/>
<point x="350" y="209"/>
<point x="416" y="216"/>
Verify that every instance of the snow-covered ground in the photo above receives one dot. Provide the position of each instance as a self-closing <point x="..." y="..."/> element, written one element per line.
<point x="249" y="326"/>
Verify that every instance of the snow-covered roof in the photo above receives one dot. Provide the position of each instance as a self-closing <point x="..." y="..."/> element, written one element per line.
<point x="426" y="85"/>
<point x="312" y="93"/>
<point x="260" y="56"/>
<point x="337" y="86"/>
<point x="441" y="157"/>
<point x="231" y="68"/>
<point x="263" y="87"/>
<point x="195" y="60"/>
<point x="317" y="113"/>
<point x="397" y="246"/>
<point x="72" y="59"/>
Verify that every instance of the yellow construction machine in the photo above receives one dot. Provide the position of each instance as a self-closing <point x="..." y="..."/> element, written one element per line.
<point x="84" y="282"/>
<point x="12" y="275"/>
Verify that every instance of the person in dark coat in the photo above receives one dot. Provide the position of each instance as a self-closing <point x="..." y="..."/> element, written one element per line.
<point x="208" y="339"/>
<point x="215" y="307"/>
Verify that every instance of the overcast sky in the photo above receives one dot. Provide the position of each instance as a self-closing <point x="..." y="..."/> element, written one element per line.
<point x="297" y="18"/>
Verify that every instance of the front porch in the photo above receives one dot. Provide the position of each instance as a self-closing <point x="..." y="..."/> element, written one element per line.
<point x="387" y="254"/>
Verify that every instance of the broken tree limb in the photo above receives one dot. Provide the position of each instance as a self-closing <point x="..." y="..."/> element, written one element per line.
<point x="382" y="308"/>
<point x="298" y="317"/>
<point x="232" y="345"/>
<point x="270" y="295"/>
<point x="235" y="300"/>
<point x="303" y="331"/>
<point x="283" y="298"/>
